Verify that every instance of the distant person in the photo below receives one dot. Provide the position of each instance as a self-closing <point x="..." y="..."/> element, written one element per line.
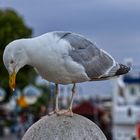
<point x="121" y="99"/>
<point x="42" y="112"/>
<point x="20" y="130"/>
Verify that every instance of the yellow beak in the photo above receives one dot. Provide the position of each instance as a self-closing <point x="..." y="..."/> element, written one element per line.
<point x="12" y="81"/>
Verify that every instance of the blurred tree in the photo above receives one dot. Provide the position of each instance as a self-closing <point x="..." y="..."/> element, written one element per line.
<point x="12" y="27"/>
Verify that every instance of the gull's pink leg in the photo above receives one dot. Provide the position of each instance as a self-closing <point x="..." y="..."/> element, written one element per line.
<point x="56" y="100"/>
<point x="69" y="111"/>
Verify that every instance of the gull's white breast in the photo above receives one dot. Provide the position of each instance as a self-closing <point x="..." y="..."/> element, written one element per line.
<point x="51" y="59"/>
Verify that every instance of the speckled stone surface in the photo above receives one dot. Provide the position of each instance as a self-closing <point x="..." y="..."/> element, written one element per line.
<point x="64" y="128"/>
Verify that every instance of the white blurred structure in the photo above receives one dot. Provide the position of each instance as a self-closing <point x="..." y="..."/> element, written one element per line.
<point x="41" y="82"/>
<point x="126" y="106"/>
<point x="31" y="94"/>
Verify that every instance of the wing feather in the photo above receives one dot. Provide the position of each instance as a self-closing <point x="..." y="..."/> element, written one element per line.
<point x="96" y="62"/>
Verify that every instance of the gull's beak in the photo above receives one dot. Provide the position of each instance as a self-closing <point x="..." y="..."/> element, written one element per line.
<point x="12" y="81"/>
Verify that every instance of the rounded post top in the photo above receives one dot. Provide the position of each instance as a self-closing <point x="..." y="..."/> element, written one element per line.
<point x="64" y="128"/>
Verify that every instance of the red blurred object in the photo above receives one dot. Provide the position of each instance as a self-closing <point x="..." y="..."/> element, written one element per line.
<point x="86" y="108"/>
<point x="138" y="130"/>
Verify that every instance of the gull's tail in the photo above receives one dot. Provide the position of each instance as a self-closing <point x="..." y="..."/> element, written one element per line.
<point x="119" y="71"/>
<point x="122" y="70"/>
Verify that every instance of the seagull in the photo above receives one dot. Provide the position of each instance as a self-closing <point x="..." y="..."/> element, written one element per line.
<point x="61" y="57"/>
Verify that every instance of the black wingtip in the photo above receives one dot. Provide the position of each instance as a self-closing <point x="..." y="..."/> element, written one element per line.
<point x="122" y="70"/>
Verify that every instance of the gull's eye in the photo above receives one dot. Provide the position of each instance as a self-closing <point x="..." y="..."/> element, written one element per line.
<point x="12" y="61"/>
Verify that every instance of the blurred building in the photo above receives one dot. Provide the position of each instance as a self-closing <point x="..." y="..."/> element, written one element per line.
<point x="126" y="106"/>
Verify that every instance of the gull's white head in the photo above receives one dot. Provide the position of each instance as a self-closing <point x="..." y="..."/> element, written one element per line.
<point x="14" y="58"/>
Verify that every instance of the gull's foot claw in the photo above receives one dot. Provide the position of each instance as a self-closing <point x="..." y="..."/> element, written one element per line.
<point x="61" y="112"/>
<point x="53" y="112"/>
<point x="65" y="113"/>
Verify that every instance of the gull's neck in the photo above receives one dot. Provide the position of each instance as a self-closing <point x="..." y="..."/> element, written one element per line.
<point x="23" y="46"/>
<point x="31" y="49"/>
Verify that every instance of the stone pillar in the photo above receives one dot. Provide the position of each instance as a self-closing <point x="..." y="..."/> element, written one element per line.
<point x="64" y="128"/>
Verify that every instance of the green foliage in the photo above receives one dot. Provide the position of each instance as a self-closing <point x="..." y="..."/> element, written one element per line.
<point x="12" y="27"/>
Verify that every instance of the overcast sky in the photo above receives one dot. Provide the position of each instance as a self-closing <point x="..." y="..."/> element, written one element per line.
<point x="113" y="24"/>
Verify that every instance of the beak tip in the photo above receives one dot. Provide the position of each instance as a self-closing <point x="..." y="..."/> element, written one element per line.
<point x="12" y="83"/>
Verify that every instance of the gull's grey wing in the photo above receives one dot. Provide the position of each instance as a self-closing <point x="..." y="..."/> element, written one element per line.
<point x="96" y="62"/>
<point x="75" y="40"/>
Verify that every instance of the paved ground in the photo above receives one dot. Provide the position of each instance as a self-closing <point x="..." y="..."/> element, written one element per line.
<point x="11" y="137"/>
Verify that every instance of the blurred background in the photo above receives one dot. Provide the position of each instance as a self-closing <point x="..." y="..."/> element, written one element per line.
<point x="115" y="27"/>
